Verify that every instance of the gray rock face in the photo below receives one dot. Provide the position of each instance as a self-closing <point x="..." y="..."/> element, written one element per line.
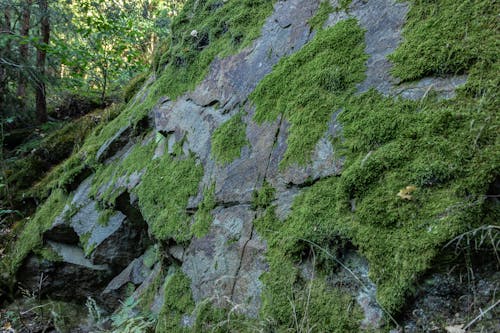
<point x="383" y="21"/>
<point x="136" y="273"/>
<point x="115" y="242"/>
<point x="225" y="265"/>
<point x="113" y="144"/>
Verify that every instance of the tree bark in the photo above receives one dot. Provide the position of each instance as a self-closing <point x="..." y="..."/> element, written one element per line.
<point x="24" y="51"/>
<point x="41" y="101"/>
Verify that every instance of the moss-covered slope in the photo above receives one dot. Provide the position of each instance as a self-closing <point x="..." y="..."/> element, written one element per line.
<point x="415" y="175"/>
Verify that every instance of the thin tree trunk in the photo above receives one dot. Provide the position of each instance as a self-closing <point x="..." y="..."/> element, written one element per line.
<point x="24" y="51"/>
<point x="6" y="30"/>
<point x="41" y="101"/>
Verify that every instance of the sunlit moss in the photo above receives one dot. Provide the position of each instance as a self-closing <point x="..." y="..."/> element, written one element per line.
<point x="163" y="198"/>
<point x="318" y="78"/>
<point x="447" y="37"/>
<point x="206" y="29"/>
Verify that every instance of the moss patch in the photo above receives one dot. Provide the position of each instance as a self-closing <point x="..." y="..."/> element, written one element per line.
<point x="106" y="176"/>
<point x="177" y="302"/>
<point x="203" y="217"/>
<point x="447" y="37"/>
<point x="319" y="77"/>
<point x="163" y="200"/>
<point x="30" y="237"/>
<point x="229" y="139"/>
<point x="318" y="21"/>
<point x="134" y="85"/>
<point x="263" y="197"/>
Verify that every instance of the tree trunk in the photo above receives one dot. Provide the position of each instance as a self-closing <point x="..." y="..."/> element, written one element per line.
<point x="6" y="30"/>
<point x="24" y="51"/>
<point x="41" y="101"/>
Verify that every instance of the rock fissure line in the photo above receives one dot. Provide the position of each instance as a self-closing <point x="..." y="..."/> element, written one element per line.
<point x="256" y="215"/>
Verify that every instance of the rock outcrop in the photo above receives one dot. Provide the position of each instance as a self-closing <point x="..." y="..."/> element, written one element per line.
<point x="276" y="242"/>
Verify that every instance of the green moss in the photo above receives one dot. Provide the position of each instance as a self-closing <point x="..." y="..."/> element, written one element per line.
<point x="104" y="217"/>
<point x="263" y="197"/>
<point x="177" y="302"/>
<point x="318" y="21"/>
<point x="203" y="217"/>
<point x="319" y="77"/>
<point x="30" y="237"/>
<point x="446" y="37"/>
<point x="217" y="320"/>
<point x="163" y="200"/>
<point x="151" y="256"/>
<point x="48" y="253"/>
<point x="35" y="158"/>
<point x="134" y="85"/>
<point x="67" y="172"/>
<point x="222" y="28"/>
<point x="445" y="150"/>
<point x="106" y="176"/>
<point x="344" y="4"/>
<point x="147" y="297"/>
<point x="229" y="139"/>
<point x="87" y="247"/>
<point x="292" y="303"/>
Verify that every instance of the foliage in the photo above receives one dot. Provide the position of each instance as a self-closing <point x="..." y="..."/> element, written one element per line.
<point x="229" y="139"/>
<point x="106" y="41"/>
